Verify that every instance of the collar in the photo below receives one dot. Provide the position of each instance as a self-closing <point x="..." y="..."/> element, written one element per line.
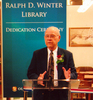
<point x="55" y="51"/>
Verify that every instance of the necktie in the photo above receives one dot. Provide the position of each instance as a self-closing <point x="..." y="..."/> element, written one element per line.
<point x="51" y="66"/>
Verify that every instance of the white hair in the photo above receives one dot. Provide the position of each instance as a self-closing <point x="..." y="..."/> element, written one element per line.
<point x="54" y="28"/>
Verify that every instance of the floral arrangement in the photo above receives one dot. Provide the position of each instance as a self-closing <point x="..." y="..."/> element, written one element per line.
<point x="60" y="58"/>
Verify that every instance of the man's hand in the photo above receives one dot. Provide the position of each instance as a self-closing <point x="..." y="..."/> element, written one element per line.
<point x="66" y="73"/>
<point x="41" y="76"/>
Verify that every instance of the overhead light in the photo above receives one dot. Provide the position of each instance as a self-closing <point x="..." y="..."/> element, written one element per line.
<point x="74" y="2"/>
<point x="85" y="6"/>
<point x="68" y="2"/>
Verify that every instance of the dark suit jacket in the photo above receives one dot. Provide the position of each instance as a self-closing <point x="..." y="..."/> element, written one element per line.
<point x="39" y="64"/>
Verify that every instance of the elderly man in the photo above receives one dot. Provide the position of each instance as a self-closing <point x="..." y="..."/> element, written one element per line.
<point x="62" y="69"/>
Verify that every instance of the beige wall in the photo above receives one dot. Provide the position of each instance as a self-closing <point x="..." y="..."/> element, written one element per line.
<point x="83" y="56"/>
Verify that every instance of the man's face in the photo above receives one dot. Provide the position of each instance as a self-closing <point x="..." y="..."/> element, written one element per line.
<point x="51" y="38"/>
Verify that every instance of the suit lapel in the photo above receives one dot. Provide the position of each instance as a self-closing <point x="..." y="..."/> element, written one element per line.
<point x="45" y="61"/>
<point x="60" y="65"/>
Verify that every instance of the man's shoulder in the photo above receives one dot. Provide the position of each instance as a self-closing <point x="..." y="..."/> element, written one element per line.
<point x="65" y="51"/>
<point x="41" y="50"/>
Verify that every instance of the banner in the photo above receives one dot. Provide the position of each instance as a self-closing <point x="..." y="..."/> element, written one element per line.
<point x="24" y="24"/>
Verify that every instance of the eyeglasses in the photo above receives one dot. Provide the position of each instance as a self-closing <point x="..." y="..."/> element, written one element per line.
<point x="51" y="36"/>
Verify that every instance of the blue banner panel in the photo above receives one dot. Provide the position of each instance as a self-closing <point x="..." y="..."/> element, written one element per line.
<point x="24" y="24"/>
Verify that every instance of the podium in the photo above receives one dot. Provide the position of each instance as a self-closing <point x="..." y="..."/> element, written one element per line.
<point x="50" y="85"/>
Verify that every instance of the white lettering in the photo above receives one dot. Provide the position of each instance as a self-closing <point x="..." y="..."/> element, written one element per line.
<point x="34" y="14"/>
<point x="39" y="29"/>
<point x="49" y="5"/>
<point x="20" y="29"/>
<point x="31" y="5"/>
<point x="16" y="5"/>
<point x="61" y="29"/>
<point x="20" y="88"/>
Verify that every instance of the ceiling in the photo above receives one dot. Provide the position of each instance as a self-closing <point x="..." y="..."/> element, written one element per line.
<point x="73" y="8"/>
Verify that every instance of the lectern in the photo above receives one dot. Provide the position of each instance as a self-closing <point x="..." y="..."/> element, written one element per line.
<point x="31" y="85"/>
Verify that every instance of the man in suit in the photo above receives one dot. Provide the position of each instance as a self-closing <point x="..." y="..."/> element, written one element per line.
<point x="38" y="68"/>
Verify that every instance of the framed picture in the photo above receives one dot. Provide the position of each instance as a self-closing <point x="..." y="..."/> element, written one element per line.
<point x="81" y="37"/>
